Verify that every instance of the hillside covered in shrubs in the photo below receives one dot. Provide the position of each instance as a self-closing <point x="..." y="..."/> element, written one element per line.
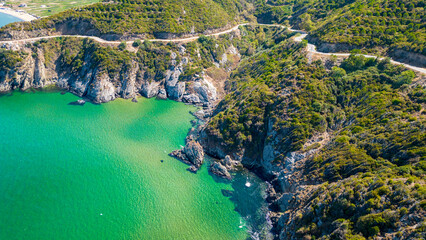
<point x="342" y="142"/>
<point x="348" y="142"/>
<point x="141" y="18"/>
<point x="363" y="23"/>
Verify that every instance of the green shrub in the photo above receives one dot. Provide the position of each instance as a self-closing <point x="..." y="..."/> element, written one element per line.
<point x="137" y="43"/>
<point x="122" y="46"/>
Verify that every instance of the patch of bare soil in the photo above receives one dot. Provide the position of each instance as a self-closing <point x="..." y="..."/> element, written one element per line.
<point x="217" y="77"/>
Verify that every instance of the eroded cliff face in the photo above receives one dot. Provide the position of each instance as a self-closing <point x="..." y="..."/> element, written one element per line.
<point x="94" y="81"/>
<point x="331" y="175"/>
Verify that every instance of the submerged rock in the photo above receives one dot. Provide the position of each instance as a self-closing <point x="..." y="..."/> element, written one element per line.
<point x="227" y="193"/>
<point x="192" y="169"/>
<point x="80" y="102"/>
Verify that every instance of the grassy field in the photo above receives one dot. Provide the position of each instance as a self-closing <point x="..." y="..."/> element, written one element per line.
<point x="43" y="8"/>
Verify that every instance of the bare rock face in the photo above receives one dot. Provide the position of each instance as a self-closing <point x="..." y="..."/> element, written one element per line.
<point x="192" y="154"/>
<point x="224" y="166"/>
<point x="23" y="77"/>
<point x="128" y="82"/>
<point x="40" y="71"/>
<point x="149" y="88"/>
<point x="200" y="92"/>
<point x="182" y="50"/>
<point x="205" y="90"/>
<point x="96" y="83"/>
<point x="231" y="164"/>
<point x="415" y="59"/>
<point x="220" y="170"/>
<point x="162" y="94"/>
<point x="191" y="98"/>
<point x="102" y="89"/>
<point x="79" y="86"/>
<point x="175" y="89"/>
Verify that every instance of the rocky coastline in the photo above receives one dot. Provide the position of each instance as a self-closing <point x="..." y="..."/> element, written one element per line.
<point x="97" y="85"/>
<point x="290" y="189"/>
<point x="92" y="83"/>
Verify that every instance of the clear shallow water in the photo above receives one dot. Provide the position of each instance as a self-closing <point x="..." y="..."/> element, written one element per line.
<point x="95" y="172"/>
<point x="6" y="19"/>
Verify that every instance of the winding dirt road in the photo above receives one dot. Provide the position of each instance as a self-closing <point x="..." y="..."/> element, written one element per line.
<point x="313" y="49"/>
<point x="100" y="40"/>
<point x="302" y="34"/>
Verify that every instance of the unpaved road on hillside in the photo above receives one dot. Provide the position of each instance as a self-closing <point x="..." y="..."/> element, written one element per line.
<point x="302" y="35"/>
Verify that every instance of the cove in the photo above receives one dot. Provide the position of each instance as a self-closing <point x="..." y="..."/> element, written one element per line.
<point x="95" y="172"/>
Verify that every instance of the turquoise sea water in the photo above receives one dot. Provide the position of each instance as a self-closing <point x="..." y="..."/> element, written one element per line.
<point x="95" y="172"/>
<point x="6" y="19"/>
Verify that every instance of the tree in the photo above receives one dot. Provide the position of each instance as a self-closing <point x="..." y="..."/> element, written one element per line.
<point x="122" y="46"/>
<point x="353" y="62"/>
<point x="137" y="43"/>
<point x="404" y="78"/>
<point x="147" y="44"/>
<point x="338" y="72"/>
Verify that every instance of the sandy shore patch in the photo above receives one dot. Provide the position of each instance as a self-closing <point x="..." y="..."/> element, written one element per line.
<point x="21" y="15"/>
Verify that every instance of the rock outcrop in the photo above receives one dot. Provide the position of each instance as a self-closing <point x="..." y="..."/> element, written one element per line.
<point x="231" y="164"/>
<point x="98" y="84"/>
<point x="192" y="154"/>
<point x="218" y="169"/>
<point x="223" y="167"/>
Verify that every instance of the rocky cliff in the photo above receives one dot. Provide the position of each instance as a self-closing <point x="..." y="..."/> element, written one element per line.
<point x="101" y="74"/>
<point x="331" y="141"/>
<point x="341" y="145"/>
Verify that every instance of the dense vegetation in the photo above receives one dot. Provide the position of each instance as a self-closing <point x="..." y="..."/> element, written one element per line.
<point x="242" y="116"/>
<point x="364" y="119"/>
<point x="154" y="58"/>
<point x="365" y="23"/>
<point x="8" y="59"/>
<point x="373" y="115"/>
<point x="382" y="136"/>
<point x="367" y="206"/>
<point x="374" y="25"/>
<point x="126" y="17"/>
<point x="271" y="11"/>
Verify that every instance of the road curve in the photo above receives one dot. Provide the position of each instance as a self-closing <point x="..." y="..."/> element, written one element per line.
<point x="302" y="35"/>
<point x="313" y="49"/>
<point x="100" y="40"/>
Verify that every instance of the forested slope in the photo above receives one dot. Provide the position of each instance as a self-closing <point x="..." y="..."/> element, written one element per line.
<point x="380" y="26"/>
<point x="344" y="146"/>
<point x="153" y="18"/>
<point x="342" y="143"/>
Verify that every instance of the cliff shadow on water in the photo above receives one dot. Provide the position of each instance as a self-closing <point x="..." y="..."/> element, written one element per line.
<point x="248" y="195"/>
